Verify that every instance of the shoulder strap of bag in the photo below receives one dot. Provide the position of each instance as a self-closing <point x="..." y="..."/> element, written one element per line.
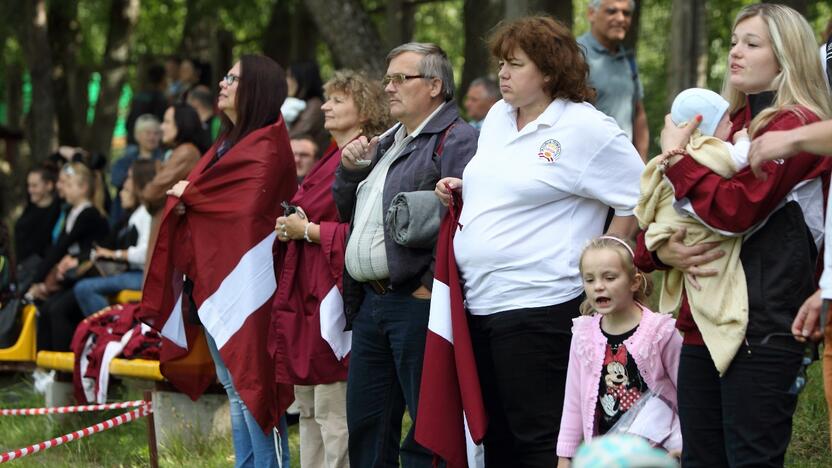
<point x="440" y="144"/>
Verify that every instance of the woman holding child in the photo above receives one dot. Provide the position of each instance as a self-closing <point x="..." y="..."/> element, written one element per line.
<point x="743" y="418"/>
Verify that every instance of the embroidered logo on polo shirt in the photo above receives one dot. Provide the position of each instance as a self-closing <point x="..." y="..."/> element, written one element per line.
<point x="549" y="150"/>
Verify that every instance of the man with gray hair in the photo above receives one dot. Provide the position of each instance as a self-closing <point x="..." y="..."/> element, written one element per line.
<point x="387" y="284"/>
<point x="482" y="93"/>
<point x="613" y="71"/>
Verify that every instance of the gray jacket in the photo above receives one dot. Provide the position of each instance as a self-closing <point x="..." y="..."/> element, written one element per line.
<point x="418" y="168"/>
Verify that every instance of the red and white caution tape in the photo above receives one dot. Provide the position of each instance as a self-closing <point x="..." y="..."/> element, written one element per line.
<point x="132" y="415"/>
<point x="69" y="409"/>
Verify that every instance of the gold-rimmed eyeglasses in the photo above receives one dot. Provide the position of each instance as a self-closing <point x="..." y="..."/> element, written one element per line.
<point x="399" y="78"/>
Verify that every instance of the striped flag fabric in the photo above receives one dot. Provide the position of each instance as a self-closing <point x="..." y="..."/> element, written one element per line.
<point x="451" y="418"/>
<point x="225" y="244"/>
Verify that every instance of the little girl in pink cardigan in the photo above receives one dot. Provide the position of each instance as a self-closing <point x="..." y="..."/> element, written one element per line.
<point x="620" y="350"/>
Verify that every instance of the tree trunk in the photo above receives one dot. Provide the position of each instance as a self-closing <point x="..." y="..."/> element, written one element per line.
<point x="688" y="51"/>
<point x="123" y="17"/>
<point x="35" y="42"/>
<point x="64" y="38"/>
<point x="802" y="6"/>
<point x="479" y="18"/>
<point x="562" y="10"/>
<point x="14" y="107"/>
<point x="349" y="33"/>
<point x="399" y="22"/>
<point x="223" y="55"/>
<point x="631" y="41"/>
<point x="291" y="35"/>
<point x="277" y="37"/>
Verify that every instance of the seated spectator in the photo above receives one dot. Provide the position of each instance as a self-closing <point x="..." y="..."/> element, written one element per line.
<point x="33" y="230"/>
<point x="304" y="80"/>
<point x="306" y="154"/>
<point x="147" y="133"/>
<point x="201" y="99"/>
<point x="129" y="246"/>
<point x="148" y="100"/>
<point x="85" y="225"/>
<point x="482" y="94"/>
<point x="182" y="132"/>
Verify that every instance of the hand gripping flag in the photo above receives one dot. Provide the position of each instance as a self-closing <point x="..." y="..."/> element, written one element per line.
<point x="224" y="243"/>
<point x="451" y="414"/>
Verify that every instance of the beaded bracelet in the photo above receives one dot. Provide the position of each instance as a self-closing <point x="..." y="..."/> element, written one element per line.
<point x="669" y="154"/>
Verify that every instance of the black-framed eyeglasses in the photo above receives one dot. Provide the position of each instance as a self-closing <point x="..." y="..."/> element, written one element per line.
<point x="399" y="78"/>
<point x="230" y="78"/>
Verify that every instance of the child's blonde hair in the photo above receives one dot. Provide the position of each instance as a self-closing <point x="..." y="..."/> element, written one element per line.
<point x="625" y="253"/>
<point x="86" y="176"/>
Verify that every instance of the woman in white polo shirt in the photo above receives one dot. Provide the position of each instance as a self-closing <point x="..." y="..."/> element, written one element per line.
<point x="547" y="169"/>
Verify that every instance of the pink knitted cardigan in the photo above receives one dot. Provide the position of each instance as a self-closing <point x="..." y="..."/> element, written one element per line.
<point x="655" y="346"/>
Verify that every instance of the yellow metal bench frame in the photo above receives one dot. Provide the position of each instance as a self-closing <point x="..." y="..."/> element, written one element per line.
<point x="25" y="348"/>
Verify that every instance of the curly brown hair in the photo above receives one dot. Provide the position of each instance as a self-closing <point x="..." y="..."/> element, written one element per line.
<point x="368" y="96"/>
<point x="552" y="47"/>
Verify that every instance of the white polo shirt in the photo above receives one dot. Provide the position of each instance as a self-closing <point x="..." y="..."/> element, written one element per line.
<point x="532" y="200"/>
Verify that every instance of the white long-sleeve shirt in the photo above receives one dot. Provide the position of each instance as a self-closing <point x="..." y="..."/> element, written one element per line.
<point x="137" y="254"/>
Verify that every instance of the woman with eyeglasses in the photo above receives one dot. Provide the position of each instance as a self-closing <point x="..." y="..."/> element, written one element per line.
<point x="218" y="232"/>
<point x="547" y="169"/>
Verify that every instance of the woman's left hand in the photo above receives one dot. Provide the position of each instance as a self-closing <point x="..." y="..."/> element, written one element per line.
<point x="674" y="137"/>
<point x="291" y="227"/>
<point x="178" y="189"/>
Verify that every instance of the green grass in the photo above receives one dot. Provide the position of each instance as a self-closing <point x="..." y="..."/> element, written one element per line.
<point x="126" y="445"/>
<point x="123" y="446"/>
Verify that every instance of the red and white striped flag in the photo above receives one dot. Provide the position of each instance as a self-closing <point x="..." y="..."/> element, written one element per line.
<point x="225" y="244"/>
<point x="451" y="416"/>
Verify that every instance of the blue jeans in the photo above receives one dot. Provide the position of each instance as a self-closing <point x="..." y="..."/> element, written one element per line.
<point x="252" y="447"/>
<point x="92" y="293"/>
<point x="388" y="347"/>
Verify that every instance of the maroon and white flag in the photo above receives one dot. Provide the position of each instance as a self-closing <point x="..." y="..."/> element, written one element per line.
<point x="225" y="244"/>
<point x="451" y="419"/>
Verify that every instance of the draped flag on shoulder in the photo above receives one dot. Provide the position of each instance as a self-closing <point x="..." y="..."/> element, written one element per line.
<point x="451" y="415"/>
<point x="224" y="243"/>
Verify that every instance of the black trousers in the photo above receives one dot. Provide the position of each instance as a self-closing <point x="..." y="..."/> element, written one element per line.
<point x="522" y="356"/>
<point x="57" y="318"/>
<point x="743" y="419"/>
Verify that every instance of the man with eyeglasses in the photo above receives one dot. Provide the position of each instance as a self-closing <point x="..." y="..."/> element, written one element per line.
<point x="613" y="71"/>
<point x="387" y="285"/>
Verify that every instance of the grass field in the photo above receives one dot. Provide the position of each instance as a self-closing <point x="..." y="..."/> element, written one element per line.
<point x="126" y="446"/>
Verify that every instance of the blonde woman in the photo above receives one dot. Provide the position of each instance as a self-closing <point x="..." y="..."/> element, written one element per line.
<point x="774" y="83"/>
<point x="85" y="225"/>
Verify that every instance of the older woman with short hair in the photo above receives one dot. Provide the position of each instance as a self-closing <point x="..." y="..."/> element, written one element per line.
<point x="547" y="169"/>
<point x="307" y="335"/>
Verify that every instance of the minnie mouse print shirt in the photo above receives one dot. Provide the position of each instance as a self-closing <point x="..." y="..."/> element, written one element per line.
<point x="621" y="384"/>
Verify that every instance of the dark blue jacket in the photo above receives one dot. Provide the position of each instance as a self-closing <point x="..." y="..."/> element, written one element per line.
<point x="419" y="167"/>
